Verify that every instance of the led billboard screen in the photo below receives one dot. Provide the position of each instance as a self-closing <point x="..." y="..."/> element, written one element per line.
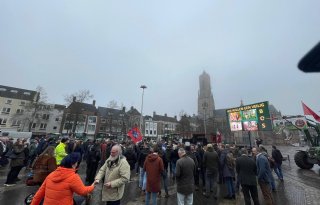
<point x="254" y="117"/>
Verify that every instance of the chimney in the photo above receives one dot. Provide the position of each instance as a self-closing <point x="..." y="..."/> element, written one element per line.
<point x="94" y="102"/>
<point x="74" y="99"/>
<point x="165" y="114"/>
<point x="175" y="117"/>
<point x="131" y="108"/>
<point x="154" y="113"/>
<point x="124" y="109"/>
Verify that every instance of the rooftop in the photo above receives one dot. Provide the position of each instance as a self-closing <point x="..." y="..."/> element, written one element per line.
<point x="18" y="93"/>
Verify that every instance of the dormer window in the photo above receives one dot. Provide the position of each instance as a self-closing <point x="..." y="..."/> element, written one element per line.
<point x="26" y="93"/>
<point x="3" y="89"/>
<point x="14" y="91"/>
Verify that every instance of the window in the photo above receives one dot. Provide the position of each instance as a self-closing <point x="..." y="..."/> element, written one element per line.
<point x="147" y="132"/>
<point x="150" y="132"/>
<point x="23" y="103"/>
<point x="55" y="127"/>
<point x="36" y="116"/>
<point x="102" y="128"/>
<point x="16" y="122"/>
<point x="68" y="126"/>
<point x="43" y="126"/>
<point x="103" y="121"/>
<point x="92" y="119"/>
<point x="3" y="121"/>
<point x="6" y="110"/>
<point x="82" y="118"/>
<point x="9" y="102"/>
<point x="45" y="116"/>
<point x="91" y="127"/>
<point x="155" y="132"/>
<point x="20" y="111"/>
<point x="34" y="125"/>
<point x="80" y="127"/>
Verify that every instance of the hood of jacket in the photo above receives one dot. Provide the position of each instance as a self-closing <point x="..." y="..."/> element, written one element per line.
<point x="152" y="157"/>
<point x="62" y="173"/>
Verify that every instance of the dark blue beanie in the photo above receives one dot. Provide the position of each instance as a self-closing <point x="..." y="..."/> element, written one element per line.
<point x="70" y="159"/>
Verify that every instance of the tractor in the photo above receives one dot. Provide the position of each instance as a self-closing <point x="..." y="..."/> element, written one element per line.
<point x="306" y="159"/>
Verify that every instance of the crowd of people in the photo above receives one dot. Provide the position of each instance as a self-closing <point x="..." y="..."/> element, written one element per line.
<point x="193" y="167"/>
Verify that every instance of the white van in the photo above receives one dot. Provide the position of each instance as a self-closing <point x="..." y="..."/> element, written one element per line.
<point x="16" y="135"/>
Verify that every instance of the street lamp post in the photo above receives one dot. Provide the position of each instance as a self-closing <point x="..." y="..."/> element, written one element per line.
<point x="204" y="106"/>
<point x="204" y="121"/>
<point x="110" y="122"/>
<point x="141" y="118"/>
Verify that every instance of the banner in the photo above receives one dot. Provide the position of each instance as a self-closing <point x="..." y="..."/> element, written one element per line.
<point x="289" y="123"/>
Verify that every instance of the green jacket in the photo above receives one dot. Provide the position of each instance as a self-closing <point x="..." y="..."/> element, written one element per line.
<point x="118" y="174"/>
<point x="60" y="152"/>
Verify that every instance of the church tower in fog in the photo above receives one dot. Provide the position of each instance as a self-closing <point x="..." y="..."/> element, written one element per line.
<point x="205" y="97"/>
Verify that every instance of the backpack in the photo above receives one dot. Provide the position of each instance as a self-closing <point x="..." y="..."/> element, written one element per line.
<point x="93" y="154"/>
<point x="2" y="148"/>
<point x="230" y="162"/>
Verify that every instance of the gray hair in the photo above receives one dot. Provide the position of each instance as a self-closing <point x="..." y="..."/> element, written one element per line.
<point x="181" y="151"/>
<point x="119" y="148"/>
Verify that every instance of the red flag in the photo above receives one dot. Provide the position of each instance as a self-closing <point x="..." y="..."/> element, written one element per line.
<point x="308" y="111"/>
<point x="219" y="137"/>
<point x="135" y="134"/>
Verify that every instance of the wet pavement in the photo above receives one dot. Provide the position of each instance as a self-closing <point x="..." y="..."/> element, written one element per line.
<point x="300" y="187"/>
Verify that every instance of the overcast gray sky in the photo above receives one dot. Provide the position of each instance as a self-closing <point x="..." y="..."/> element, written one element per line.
<point x="249" y="48"/>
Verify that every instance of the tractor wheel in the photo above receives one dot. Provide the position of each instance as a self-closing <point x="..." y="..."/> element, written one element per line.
<point x="300" y="158"/>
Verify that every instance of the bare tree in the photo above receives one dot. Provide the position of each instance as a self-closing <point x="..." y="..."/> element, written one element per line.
<point x="184" y="124"/>
<point x="182" y="113"/>
<point x="122" y="105"/>
<point x="32" y="110"/>
<point x="81" y="96"/>
<point x="113" y="104"/>
<point x="74" y="117"/>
